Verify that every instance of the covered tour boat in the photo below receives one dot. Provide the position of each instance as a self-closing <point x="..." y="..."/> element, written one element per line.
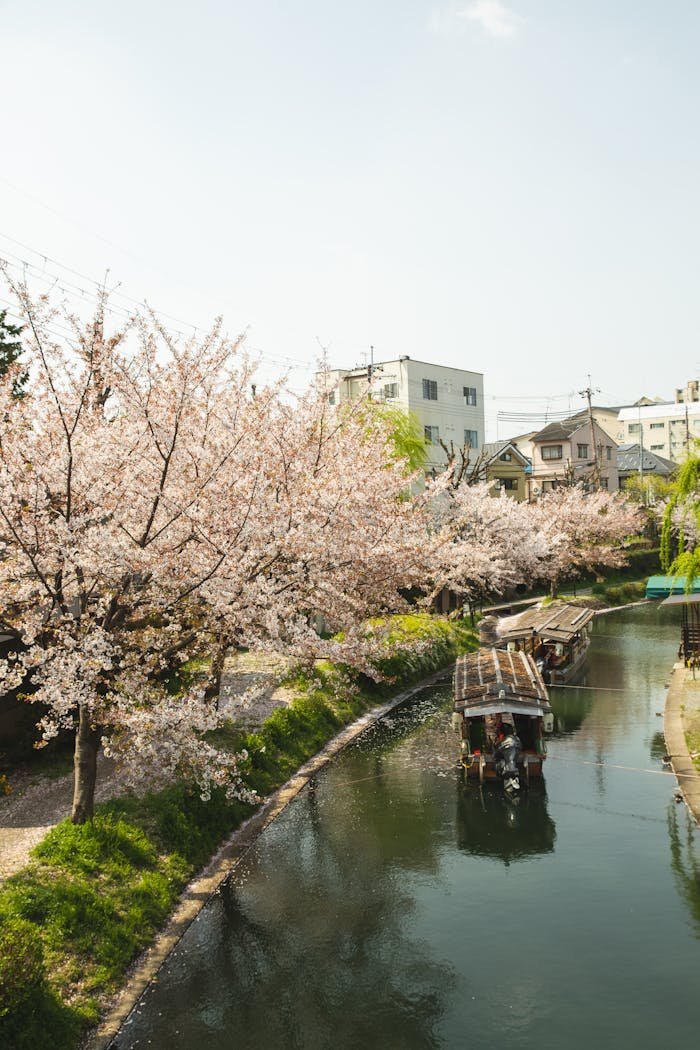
<point x="503" y="711"/>
<point x="556" y="636"/>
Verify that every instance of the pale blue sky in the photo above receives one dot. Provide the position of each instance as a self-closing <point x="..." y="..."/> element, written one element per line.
<point x="507" y="187"/>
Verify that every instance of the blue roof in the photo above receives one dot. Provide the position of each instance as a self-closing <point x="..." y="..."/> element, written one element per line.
<point x="662" y="586"/>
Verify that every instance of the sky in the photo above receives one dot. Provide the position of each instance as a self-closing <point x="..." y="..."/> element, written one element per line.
<point x="506" y="187"/>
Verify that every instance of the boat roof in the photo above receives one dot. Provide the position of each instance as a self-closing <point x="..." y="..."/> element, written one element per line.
<point x="493" y="681"/>
<point x="559" y="622"/>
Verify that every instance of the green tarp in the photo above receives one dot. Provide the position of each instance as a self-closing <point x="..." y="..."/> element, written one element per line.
<point x="662" y="586"/>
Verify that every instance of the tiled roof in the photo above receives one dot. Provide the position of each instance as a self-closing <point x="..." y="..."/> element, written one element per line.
<point x="559" y="431"/>
<point x="628" y="461"/>
<point x="492" y="449"/>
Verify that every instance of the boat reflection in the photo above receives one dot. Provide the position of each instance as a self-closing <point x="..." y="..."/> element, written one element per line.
<point x="490" y="824"/>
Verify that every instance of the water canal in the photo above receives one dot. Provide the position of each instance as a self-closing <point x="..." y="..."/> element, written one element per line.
<point x="393" y="907"/>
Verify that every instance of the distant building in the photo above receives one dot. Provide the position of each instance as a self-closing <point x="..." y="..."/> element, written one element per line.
<point x="447" y="402"/>
<point x="508" y="469"/>
<point x="668" y="429"/>
<point x="565" y="452"/>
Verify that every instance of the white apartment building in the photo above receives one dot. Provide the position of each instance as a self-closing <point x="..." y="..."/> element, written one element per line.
<point x="448" y="402"/>
<point x="666" y="429"/>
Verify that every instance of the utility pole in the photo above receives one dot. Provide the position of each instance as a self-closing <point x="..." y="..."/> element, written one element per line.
<point x="588" y="393"/>
<point x="687" y="431"/>
<point x="641" y="458"/>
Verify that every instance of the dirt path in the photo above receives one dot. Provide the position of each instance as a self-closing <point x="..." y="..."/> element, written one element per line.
<point x="249" y="693"/>
<point x="35" y="805"/>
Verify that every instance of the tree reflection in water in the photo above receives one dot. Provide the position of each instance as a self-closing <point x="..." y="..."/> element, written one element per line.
<point x="311" y="945"/>
<point x="685" y="859"/>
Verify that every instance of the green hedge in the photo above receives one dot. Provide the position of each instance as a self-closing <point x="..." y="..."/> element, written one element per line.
<point x="93" y="896"/>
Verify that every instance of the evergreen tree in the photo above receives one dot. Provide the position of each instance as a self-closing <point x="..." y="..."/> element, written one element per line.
<point x="10" y="350"/>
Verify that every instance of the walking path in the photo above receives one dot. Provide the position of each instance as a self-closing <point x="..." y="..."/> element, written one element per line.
<point x="249" y="693"/>
<point x="681" y="717"/>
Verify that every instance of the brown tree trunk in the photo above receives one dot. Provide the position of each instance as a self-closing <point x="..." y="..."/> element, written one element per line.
<point x="553" y="589"/>
<point x="217" y="669"/>
<point x="87" y="744"/>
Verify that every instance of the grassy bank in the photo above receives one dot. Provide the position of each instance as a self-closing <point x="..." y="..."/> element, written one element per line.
<point x="94" y="896"/>
<point x="622" y="593"/>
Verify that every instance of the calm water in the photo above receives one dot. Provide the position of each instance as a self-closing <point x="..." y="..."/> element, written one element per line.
<point x="393" y="906"/>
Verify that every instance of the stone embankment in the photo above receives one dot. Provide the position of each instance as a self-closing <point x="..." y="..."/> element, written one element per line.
<point x="681" y="725"/>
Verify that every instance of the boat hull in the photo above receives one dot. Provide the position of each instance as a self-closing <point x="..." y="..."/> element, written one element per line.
<point x="483" y="767"/>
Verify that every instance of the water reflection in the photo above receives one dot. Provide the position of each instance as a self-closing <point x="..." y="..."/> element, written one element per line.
<point x="355" y="920"/>
<point x="314" y="946"/>
<point x="490" y="824"/>
<point x="685" y="859"/>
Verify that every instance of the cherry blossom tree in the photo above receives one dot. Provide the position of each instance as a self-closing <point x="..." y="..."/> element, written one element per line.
<point x="583" y="531"/>
<point x="152" y="509"/>
<point x="488" y="542"/>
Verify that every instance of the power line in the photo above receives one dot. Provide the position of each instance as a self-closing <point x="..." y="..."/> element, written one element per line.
<point x="68" y="287"/>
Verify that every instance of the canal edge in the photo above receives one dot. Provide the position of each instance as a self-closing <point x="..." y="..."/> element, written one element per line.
<point x="202" y="888"/>
<point x="676" y="746"/>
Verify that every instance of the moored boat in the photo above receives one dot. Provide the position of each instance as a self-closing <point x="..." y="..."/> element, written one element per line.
<point x="556" y="636"/>
<point x="503" y="710"/>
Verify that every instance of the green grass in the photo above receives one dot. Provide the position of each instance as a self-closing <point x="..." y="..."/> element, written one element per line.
<point x="693" y="741"/>
<point x="93" y="896"/>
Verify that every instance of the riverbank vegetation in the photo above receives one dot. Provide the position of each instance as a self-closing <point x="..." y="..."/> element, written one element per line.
<point x="94" y="895"/>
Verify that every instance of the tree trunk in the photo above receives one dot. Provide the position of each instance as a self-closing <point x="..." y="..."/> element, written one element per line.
<point x="87" y="744"/>
<point x="217" y="669"/>
<point x="553" y="589"/>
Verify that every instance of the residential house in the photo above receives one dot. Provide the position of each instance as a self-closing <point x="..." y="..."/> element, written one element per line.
<point x="447" y="402"/>
<point x="508" y="469"/>
<point x="629" y="465"/>
<point x="565" y="452"/>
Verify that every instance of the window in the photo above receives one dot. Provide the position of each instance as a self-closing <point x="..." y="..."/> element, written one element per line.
<point x="471" y="439"/>
<point x="505" y="457"/>
<point x="469" y="395"/>
<point x="509" y="484"/>
<point x="432" y="435"/>
<point x="583" y="451"/>
<point x="608" y="452"/>
<point x="657" y="448"/>
<point x="331" y="397"/>
<point x="430" y="389"/>
<point x="551" y="452"/>
<point x="604" y="483"/>
<point x="391" y="390"/>
<point x="656" y="426"/>
<point x="633" y="428"/>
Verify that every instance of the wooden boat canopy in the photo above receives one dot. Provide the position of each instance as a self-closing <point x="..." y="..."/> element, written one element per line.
<point x="558" y="622"/>
<point x="492" y="681"/>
